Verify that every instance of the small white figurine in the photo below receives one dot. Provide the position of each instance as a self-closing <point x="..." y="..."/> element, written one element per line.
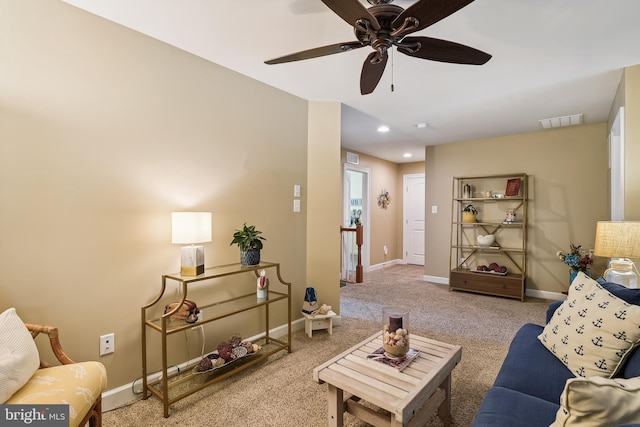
<point x="262" y="284"/>
<point x="511" y="215"/>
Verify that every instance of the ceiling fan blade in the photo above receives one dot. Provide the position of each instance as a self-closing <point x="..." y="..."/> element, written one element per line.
<point x="442" y="50"/>
<point x="429" y="12"/>
<point x="316" y="52"/>
<point x="351" y="11"/>
<point x="372" y="72"/>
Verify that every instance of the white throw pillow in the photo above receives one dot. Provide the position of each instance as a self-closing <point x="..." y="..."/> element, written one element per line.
<point x="593" y="331"/>
<point x="598" y="401"/>
<point x="19" y="358"/>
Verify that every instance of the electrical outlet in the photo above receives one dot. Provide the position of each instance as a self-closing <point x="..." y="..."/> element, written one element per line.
<point x="107" y="344"/>
<point x="385" y="249"/>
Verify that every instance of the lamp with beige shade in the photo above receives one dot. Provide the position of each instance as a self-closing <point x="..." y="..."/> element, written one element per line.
<point x="620" y="241"/>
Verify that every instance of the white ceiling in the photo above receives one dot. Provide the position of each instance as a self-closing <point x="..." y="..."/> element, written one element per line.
<point x="550" y="58"/>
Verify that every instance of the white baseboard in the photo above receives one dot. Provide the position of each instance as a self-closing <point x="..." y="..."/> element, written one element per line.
<point x="545" y="294"/>
<point x="124" y="394"/>
<point x="529" y="292"/>
<point x="384" y="264"/>
<point x="436" y="279"/>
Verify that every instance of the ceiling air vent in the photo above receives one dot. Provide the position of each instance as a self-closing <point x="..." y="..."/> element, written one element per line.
<point x="353" y="158"/>
<point x="558" y="122"/>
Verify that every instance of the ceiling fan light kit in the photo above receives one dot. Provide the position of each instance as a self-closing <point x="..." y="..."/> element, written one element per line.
<point x="383" y="26"/>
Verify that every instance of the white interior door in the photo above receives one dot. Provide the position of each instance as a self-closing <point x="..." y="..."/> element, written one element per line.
<point x="413" y="223"/>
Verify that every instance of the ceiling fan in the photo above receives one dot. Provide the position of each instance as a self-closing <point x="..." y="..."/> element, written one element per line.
<point x="384" y="25"/>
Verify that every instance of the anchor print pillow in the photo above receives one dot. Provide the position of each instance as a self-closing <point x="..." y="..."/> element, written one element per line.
<point x="593" y="331"/>
<point x="597" y="402"/>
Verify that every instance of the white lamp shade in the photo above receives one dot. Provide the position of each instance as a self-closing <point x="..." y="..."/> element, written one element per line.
<point x="617" y="239"/>
<point x="190" y="227"/>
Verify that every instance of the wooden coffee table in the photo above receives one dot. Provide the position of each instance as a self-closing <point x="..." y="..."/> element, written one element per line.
<point x="408" y="397"/>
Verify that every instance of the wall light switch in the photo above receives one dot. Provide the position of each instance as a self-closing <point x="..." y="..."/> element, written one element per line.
<point x="296" y="190"/>
<point x="434" y="209"/>
<point x="296" y="205"/>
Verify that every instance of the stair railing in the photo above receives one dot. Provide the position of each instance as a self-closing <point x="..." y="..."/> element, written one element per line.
<point x="351" y="262"/>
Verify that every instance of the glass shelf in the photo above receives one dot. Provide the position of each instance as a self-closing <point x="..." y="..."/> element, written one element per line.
<point x="219" y="310"/>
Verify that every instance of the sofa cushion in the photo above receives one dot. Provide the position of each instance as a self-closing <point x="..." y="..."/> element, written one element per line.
<point x="19" y="357"/>
<point x="510" y="408"/>
<point x="593" y="330"/>
<point x="598" y="401"/>
<point x="77" y="384"/>
<point x="632" y="296"/>
<point x="631" y="368"/>
<point x="530" y="368"/>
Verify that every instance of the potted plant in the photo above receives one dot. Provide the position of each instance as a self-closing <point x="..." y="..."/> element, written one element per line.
<point x="469" y="213"/>
<point x="249" y="240"/>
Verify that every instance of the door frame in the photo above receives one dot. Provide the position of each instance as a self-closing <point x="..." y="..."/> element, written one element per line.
<point x="616" y="166"/>
<point x="366" y="215"/>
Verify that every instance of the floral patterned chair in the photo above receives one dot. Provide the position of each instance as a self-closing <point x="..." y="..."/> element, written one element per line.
<point x="79" y="385"/>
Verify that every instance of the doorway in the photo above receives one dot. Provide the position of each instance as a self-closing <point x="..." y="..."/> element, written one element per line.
<point x="356" y="204"/>
<point x="413" y="219"/>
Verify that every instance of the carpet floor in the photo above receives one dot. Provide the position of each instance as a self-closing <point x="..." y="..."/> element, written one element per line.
<point x="280" y="392"/>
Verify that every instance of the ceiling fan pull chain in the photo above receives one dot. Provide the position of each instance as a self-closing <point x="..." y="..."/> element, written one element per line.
<point x="392" y="88"/>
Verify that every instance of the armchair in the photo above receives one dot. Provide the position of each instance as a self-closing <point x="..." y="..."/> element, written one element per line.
<point x="80" y="385"/>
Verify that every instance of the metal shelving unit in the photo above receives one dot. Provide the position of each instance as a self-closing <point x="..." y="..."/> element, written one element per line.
<point x="510" y="247"/>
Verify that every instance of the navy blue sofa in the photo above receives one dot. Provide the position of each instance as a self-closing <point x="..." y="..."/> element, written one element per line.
<point x="526" y="392"/>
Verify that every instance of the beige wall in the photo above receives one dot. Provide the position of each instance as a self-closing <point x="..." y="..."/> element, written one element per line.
<point x="632" y="142"/>
<point x="324" y="207"/>
<point x="104" y="132"/>
<point x="567" y="171"/>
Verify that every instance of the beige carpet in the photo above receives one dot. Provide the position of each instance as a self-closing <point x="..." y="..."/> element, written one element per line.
<point x="281" y="391"/>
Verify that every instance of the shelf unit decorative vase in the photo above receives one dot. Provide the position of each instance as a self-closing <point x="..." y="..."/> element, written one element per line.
<point x="174" y="386"/>
<point x="497" y="209"/>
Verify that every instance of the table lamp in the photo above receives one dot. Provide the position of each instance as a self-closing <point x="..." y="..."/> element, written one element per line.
<point x="191" y="228"/>
<point x="619" y="240"/>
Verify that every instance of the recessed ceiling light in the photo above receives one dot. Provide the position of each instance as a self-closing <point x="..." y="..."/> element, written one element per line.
<point x="407" y="155"/>
<point x="422" y="125"/>
<point x="383" y="128"/>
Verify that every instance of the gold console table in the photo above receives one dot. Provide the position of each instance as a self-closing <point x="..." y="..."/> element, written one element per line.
<point x="172" y="387"/>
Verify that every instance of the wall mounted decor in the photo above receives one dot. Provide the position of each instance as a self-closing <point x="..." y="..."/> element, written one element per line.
<point x="384" y="199"/>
